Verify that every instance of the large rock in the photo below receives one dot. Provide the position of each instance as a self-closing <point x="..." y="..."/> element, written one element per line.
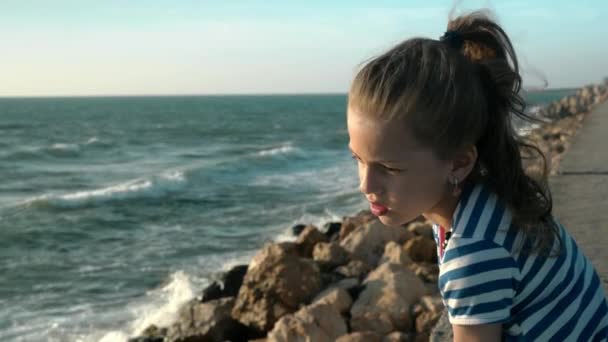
<point x="307" y="240"/>
<point x="395" y="253"/>
<point x="421" y="229"/>
<point x="228" y="287"/>
<point x="349" y="223"/>
<point x="432" y="303"/>
<point x="317" y="322"/>
<point x="328" y="278"/>
<point x="420" y="248"/>
<point x="354" y="269"/>
<point x="351" y="285"/>
<point x="426" y="321"/>
<point x="332" y="230"/>
<point x="277" y="283"/>
<point x="432" y="289"/>
<point x="283" y="248"/>
<point x="398" y="336"/>
<point x="366" y="243"/>
<point x="298" y="229"/>
<point x="346" y="284"/>
<point x="337" y="297"/>
<point x="151" y="334"/>
<point x="361" y="336"/>
<point x="206" y="322"/>
<point x="427" y="271"/>
<point x="329" y="254"/>
<point x="442" y="332"/>
<point x="385" y="305"/>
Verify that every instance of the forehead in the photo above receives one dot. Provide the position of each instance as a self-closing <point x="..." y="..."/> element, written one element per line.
<point x="375" y="139"/>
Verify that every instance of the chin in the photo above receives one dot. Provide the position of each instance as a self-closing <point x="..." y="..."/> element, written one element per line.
<point x="392" y="221"/>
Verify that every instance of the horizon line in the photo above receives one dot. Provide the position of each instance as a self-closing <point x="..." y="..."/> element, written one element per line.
<point x="213" y="94"/>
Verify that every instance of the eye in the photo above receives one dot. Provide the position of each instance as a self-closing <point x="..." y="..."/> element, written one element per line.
<point x="391" y="170"/>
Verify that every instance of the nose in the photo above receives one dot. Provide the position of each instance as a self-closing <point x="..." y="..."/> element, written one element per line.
<point x="369" y="182"/>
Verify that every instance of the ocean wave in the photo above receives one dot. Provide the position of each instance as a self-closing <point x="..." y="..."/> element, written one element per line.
<point x="144" y="188"/>
<point x="11" y="126"/>
<point x="283" y="149"/>
<point x="95" y="142"/>
<point x="160" y="306"/>
<point x="56" y="150"/>
<point x="91" y="141"/>
<point x="76" y="147"/>
<point x="164" y="304"/>
<point x="316" y="220"/>
<point x="334" y="178"/>
<point x="61" y="149"/>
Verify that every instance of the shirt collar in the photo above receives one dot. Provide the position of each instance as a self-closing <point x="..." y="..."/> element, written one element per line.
<point x="471" y="203"/>
<point x="467" y="199"/>
<point x="479" y="211"/>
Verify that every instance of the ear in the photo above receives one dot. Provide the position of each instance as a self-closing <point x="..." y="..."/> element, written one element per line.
<point x="463" y="162"/>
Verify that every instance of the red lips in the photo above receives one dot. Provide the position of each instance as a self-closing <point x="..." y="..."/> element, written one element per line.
<point x="378" y="209"/>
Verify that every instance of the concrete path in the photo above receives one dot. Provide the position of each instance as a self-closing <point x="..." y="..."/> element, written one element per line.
<point x="580" y="199"/>
<point x="580" y="190"/>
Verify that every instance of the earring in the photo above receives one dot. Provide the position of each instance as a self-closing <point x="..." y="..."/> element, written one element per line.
<point x="483" y="170"/>
<point x="456" y="189"/>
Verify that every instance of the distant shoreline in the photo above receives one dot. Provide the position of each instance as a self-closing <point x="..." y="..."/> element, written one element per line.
<point x="101" y="96"/>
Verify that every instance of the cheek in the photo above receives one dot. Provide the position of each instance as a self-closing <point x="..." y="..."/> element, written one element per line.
<point x="413" y="194"/>
<point x="419" y="190"/>
<point x="360" y="169"/>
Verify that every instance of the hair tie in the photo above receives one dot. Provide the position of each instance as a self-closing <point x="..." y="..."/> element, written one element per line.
<point x="452" y="39"/>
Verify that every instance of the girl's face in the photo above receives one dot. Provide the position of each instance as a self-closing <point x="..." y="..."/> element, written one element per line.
<point x="394" y="170"/>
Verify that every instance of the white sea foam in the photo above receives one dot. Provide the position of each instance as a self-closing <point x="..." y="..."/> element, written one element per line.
<point x="525" y="130"/>
<point x="163" y="304"/>
<point x="92" y="140"/>
<point x="337" y="177"/>
<point x="65" y="147"/>
<point x="316" y="220"/>
<point x="533" y="110"/>
<point x="283" y="149"/>
<point x="159" y="307"/>
<point x="144" y="188"/>
<point x="60" y="150"/>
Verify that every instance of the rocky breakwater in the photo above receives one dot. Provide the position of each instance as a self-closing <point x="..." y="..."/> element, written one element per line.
<point x="355" y="280"/>
<point x="563" y="119"/>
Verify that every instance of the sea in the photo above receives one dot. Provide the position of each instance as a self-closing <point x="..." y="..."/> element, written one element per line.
<point x="114" y="211"/>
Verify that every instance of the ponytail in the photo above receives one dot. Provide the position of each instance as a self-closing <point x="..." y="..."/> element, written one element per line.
<point x="500" y="149"/>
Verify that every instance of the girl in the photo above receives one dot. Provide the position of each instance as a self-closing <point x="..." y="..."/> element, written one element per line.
<point x="429" y="123"/>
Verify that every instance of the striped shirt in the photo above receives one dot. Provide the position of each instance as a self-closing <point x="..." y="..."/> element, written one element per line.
<point x="484" y="279"/>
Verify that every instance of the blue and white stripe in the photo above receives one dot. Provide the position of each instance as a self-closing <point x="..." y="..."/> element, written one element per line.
<point x="485" y="279"/>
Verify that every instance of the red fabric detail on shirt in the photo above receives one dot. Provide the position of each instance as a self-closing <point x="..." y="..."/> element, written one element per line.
<point x="441" y="241"/>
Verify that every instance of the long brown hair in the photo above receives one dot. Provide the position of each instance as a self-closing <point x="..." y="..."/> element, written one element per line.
<point x="453" y="95"/>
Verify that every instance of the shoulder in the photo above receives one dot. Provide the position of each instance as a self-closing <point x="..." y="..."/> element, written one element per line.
<point x="478" y="281"/>
<point x="475" y="255"/>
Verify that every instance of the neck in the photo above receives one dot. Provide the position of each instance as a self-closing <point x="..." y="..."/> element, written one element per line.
<point x="442" y="213"/>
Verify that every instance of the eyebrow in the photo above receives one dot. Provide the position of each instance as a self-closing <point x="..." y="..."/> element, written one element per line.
<point x="378" y="161"/>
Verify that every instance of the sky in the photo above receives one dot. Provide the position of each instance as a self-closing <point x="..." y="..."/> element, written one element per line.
<point x="171" y="47"/>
